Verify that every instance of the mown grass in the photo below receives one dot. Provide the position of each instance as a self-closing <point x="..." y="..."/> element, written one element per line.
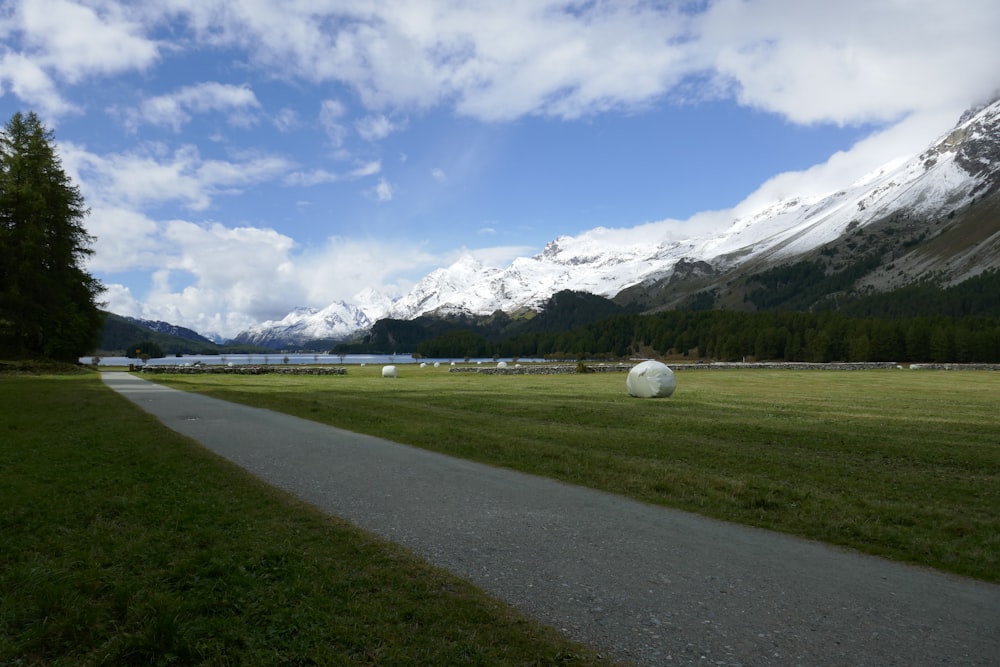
<point x="122" y="543"/>
<point x="903" y="464"/>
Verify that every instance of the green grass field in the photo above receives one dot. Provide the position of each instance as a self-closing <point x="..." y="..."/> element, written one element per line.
<point x="123" y="543"/>
<point x="903" y="464"/>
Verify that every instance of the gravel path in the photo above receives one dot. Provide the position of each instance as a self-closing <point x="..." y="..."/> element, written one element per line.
<point x="649" y="586"/>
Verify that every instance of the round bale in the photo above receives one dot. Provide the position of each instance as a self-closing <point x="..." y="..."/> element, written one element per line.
<point x="651" y="379"/>
<point x="389" y="372"/>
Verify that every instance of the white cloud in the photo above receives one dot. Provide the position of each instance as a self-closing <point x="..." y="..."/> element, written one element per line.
<point x="844" y="62"/>
<point x="26" y="79"/>
<point x="438" y="175"/>
<point x="311" y="178"/>
<point x="151" y="175"/>
<point x="175" y="109"/>
<point x="853" y="61"/>
<point x="331" y="116"/>
<point x="367" y="169"/>
<point x="376" y="128"/>
<point x="236" y="277"/>
<point x="286" y="120"/>
<point x="496" y="256"/>
<point x="126" y="240"/>
<point x="383" y="190"/>
<point x="78" y="40"/>
<point x="118" y="299"/>
<point x="323" y="176"/>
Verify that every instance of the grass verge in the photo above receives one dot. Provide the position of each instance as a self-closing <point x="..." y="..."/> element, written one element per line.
<point x="903" y="464"/>
<point x="123" y="543"/>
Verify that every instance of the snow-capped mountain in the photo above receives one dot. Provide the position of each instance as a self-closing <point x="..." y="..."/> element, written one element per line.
<point x="946" y="177"/>
<point x="338" y="321"/>
<point x="951" y="175"/>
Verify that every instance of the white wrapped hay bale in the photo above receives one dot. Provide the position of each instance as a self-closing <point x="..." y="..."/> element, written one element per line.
<point x="389" y="371"/>
<point x="651" y="379"/>
<point x="502" y="364"/>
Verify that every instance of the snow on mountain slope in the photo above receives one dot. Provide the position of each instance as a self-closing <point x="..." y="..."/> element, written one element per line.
<point x="948" y="175"/>
<point x="605" y="261"/>
<point x="337" y="321"/>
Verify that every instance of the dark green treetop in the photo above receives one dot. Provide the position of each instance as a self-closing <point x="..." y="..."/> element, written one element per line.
<point x="48" y="302"/>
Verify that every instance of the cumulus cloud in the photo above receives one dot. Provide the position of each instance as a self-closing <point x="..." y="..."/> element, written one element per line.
<point x="30" y="83"/>
<point x="376" y="127"/>
<point x="153" y="175"/>
<point x="126" y="240"/>
<point x="175" y="109"/>
<point x="383" y="190"/>
<point x="77" y="40"/>
<point x="218" y="279"/>
<point x="846" y="62"/>
<point x="843" y="62"/>
<point x="816" y="62"/>
<point x="118" y="299"/>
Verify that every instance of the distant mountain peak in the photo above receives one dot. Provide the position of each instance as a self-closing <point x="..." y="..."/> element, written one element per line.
<point x="338" y="321"/>
<point x="950" y="175"/>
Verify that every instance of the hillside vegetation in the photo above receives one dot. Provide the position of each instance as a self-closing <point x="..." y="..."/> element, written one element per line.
<point x="922" y="322"/>
<point x="122" y="336"/>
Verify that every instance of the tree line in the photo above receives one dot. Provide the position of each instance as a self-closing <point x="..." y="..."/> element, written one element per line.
<point x="732" y="336"/>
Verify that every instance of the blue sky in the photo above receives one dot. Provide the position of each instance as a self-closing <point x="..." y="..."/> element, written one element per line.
<point x="245" y="157"/>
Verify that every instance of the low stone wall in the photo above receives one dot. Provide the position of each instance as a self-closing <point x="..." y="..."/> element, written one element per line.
<point x="955" y="367"/>
<point x="557" y="369"/>
<point x="243" y="370"/>
<point x="835" y="366"/>
<point x="531" y="369"/>
<point x="567" y="368"/>
<point x="788" y="366"/>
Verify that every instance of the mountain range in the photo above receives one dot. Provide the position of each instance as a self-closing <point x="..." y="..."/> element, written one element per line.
<point x="936" y="215"/>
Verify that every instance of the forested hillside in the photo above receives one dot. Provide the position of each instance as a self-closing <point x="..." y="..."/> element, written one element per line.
<point x="565" y="310"/>
<point x="121" y="336"/>
<point x="733" y="336"/>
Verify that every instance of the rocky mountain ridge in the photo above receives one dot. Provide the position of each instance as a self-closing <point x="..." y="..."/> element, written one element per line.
<point x="935" y="214"/>
<point x="338" y="321"/>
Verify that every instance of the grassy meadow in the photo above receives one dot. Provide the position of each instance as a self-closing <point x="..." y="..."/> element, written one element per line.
<point x="123" y="543"/>
<point x="902" y="464"/>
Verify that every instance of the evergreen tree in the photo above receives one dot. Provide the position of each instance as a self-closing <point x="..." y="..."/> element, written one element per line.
<point x="48" y="302"/>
